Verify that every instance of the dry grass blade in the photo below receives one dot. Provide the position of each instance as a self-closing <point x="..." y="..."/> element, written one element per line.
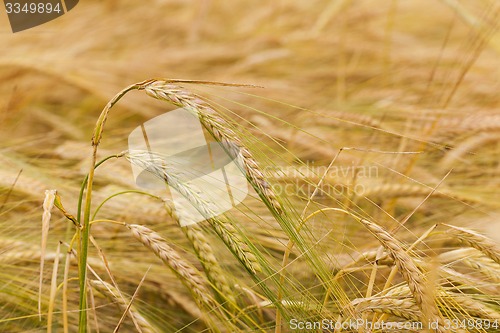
<point x="48" y="204"/>
<point x="413" y="276"/>
<point x="129" y="305"/>
<point x="220" y="130"/>
<point x="188" y="274"/>
<point x="92" y="309"/>
<point x="65" y="292"/>
<point x="477" y="241"/>
<point x="53" y="290"/>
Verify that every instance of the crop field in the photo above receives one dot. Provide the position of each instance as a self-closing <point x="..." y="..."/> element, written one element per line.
<point x="252" y="166"/>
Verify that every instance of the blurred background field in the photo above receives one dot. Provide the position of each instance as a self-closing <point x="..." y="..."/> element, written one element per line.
<point x="410" y="87"/>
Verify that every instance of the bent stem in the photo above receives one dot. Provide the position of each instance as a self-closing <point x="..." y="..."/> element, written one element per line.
<point x="85" y="230"/>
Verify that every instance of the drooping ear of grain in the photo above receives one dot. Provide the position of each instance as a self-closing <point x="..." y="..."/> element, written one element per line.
<point x="413" y="276"/>
<point x="222" y="226"/>
<point x="405" y="308"/>
<point x="206" y="255"/>
<point x="221" y="131"/>
<point x="186" y="273"/>
<point x="477" y="241"/>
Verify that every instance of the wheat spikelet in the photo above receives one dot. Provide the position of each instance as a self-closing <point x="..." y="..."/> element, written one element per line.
<point x="224" y="228"/>
<point x="470" y="306"/>
<point x="477" y="241"/>
<point x="206" y="256"/>
<point x="24" y="184"/>
<point x="395" y="190"/>
<point x="485" y="266"/>
<point x="209" y="262"/>
<point x="27" y="255"/>
<point x="461" y="302"/>
<point x="457" y="255"/>
<point x="188" y="274"/>
<point x="409" y="190"/>
<point x="7" y="244"/>
<point x="374" y="255"/>
<point x="398" y="301"/>
<point x="114" y="295"/>
<point x="479" y="123"/>
<point x="220" y="130"/>
<point x="403" y="308"/>
<point x="413" y="276"/>
<point x="469" y="145"/>
<point x="466" y="281"/>
<point x="474" y="259"/>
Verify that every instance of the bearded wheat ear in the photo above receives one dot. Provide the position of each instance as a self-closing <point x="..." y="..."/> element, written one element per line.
<point x="223" y="228"/>
<point x="206" y="255"/>
<point x="413" y="276"/>
<point x="399" y="307"/>
<point x="471" y="306"/>
<point x="477" y="241"/>
<point x="220" y="129"/>
<point x="186" y="273"/>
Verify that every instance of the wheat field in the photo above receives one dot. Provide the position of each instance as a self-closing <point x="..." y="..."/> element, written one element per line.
<point x="368" y="134"/>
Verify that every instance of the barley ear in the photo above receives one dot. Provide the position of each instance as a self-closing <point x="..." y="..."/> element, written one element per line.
<point x="410" y="272"/>
<point x="206" y="255"/>
<point x="187" y="273"/>
<point x="477" y="241"/>
<point x="221" y="131"/>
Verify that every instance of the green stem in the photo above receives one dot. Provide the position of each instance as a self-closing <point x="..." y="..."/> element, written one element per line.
<point x="85" y="231"/>
<point x="120" y="193"/>
<point x="84" y="184"/>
